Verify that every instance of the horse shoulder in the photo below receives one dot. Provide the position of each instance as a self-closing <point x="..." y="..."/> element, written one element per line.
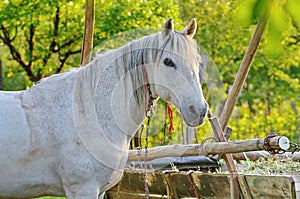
<point x="14" y="130"/>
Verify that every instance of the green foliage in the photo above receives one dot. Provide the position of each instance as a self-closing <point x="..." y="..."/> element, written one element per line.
<point x="271" y="93"/>
<point x="278" y="13"/>
<point x="113" y="17"/>
<point x="225" y="29"/>
<point x="40" y="37"/>
<point x="46" y="35"/>
<point x="117" y="22"/>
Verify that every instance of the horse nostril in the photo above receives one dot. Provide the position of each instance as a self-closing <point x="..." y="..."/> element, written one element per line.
<point x="192" y="110"/>
<point x="198" y="111"/>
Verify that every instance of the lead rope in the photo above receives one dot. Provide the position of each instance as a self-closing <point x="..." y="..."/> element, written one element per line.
<point x="145" y="160"/>
<point x="149" y="104"/>
<point x="148" y="113"/>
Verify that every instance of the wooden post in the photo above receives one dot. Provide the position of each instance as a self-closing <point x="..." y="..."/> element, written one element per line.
<point x="242" y="73"/>
<point x="234" y="183"/>
<point x="1" y="79"/>
<point x="87" y="44"/>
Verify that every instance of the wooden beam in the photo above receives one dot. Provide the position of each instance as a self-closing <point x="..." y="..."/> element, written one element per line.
<point x="88" y="35"/>
<point x="180" y="150"/>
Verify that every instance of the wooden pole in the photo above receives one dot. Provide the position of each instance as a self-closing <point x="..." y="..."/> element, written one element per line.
<point x="242" y="73"/>
<point x="87" y="44"/>
<point x="234" y="183"/>
<point x="180" y="150"/>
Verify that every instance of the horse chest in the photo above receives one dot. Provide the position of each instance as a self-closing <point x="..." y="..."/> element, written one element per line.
<point x="14" y="132"/>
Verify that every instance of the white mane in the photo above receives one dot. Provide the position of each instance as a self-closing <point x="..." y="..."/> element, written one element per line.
<point x="149" y="50"/>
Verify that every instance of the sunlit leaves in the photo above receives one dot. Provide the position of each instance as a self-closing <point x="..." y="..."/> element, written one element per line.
<point x="273" y="81"/>
<point x="278" y="23"/>
<point x="115" y="17"/>
<point x="250" y="11"/>
<point x="45" y="33"/>
<point x="293" y="7"/>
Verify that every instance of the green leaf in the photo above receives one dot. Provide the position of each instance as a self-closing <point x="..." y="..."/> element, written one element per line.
<point x="293" y="8"/>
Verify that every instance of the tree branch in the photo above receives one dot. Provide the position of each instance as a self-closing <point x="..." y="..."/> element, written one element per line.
<point x="53" y="43"/>
<point x="15" y="53"/>
<point x="55" y="30"/>
<point x="67" y="44"/>
<point x="30" y="44"/>
<point x="64" y="59"/>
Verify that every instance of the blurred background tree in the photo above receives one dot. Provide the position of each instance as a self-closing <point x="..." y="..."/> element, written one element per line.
<point x="39" y="38"/>
<point x="43" y="37"/>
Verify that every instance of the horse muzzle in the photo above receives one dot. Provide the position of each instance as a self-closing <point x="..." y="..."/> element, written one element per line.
<point x="195" y="116"/>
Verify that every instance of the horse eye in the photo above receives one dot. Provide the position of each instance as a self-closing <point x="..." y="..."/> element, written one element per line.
<point x="168" y="62"/>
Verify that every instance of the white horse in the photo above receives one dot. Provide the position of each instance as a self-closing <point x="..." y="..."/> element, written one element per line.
<point x="69" y="134"/>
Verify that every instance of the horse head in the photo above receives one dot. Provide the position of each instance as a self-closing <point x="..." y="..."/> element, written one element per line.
<point x="176" y="72"/>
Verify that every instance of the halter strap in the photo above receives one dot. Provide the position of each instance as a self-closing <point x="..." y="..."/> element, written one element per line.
<point x="149" y="104"/>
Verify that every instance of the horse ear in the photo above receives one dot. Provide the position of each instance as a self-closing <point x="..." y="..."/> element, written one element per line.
<point x="168" y="28"/>
<point x="190" y="30"/>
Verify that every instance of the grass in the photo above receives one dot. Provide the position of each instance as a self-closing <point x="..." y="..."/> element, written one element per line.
<point x="271" y="166"/>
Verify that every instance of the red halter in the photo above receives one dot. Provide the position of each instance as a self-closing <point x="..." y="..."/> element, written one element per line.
<point x="149" y="104"/>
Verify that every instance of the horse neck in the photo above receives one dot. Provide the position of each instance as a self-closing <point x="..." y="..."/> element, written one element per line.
<point x="116" y="107"/>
